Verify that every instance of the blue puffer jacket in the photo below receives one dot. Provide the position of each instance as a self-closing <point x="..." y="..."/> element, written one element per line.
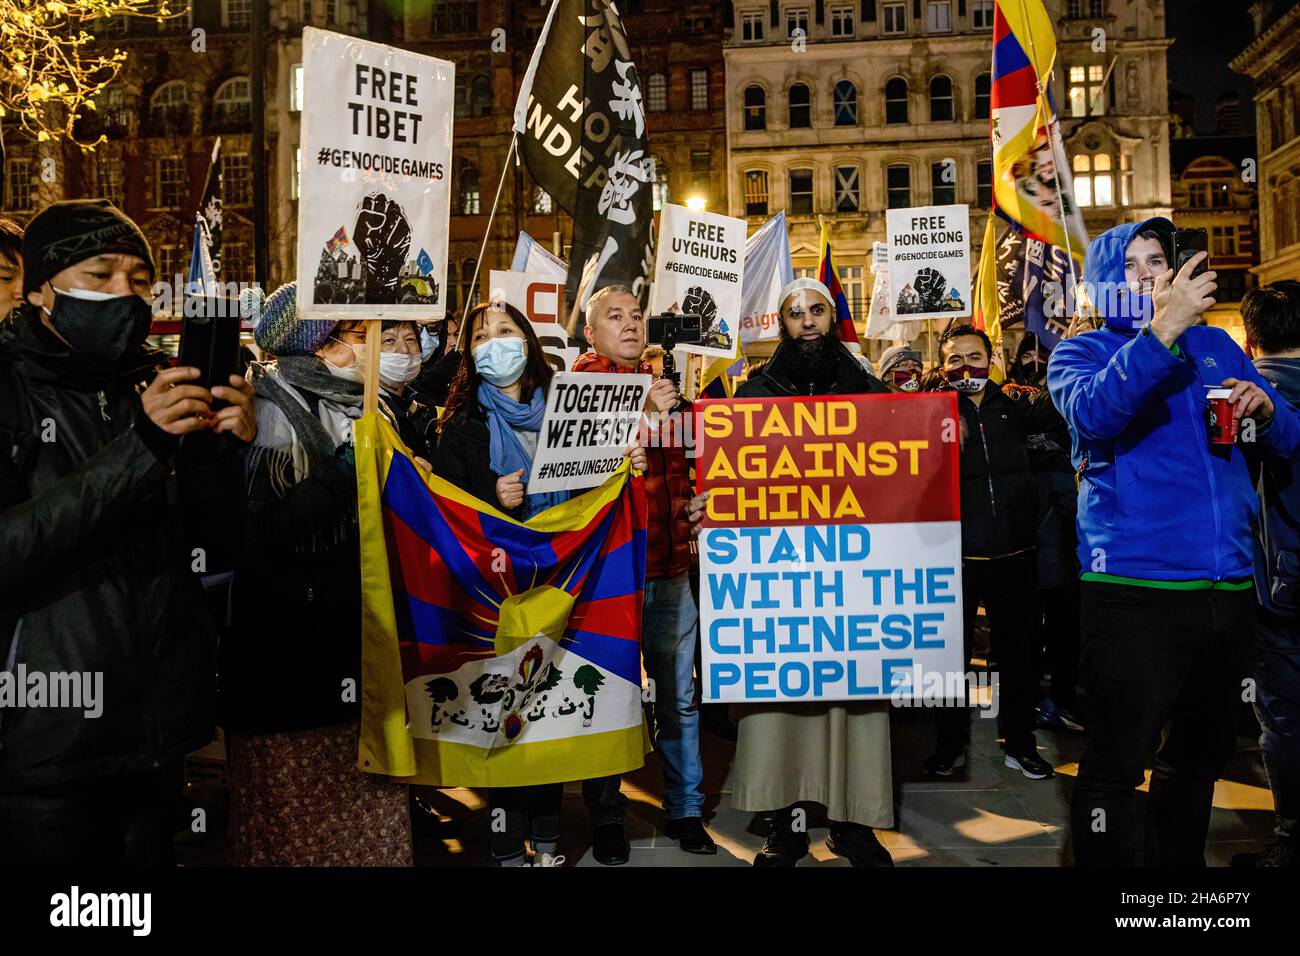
<point x="1156" y="502"/>
<point x="1277" y="540"/>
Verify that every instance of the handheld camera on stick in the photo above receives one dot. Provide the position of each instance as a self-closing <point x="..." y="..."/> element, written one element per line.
<point x="668" y="331"/>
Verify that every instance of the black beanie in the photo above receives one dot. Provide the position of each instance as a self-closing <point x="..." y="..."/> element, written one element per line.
<point x="65" y="233"/>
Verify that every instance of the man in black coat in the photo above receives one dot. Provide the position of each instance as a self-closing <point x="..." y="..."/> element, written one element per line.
<point x="115" y="480"/>
<point x="999" y="534"/>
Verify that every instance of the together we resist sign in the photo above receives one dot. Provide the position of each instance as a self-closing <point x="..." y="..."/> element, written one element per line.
<point x="830" y="557"/>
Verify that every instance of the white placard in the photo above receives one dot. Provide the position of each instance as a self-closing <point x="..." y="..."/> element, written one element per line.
<point x="591" y="418"/>
<point x="538" y="297"/>
<point x="699" y="267"/>
<point x="929" y="262"/>
<point x="375" y="187"/>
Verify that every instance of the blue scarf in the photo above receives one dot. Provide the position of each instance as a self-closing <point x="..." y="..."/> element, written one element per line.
<point x="506" y="454"/>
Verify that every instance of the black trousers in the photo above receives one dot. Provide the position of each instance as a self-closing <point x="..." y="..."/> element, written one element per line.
<point x="605" y="801"/>
<point x="518" y="813"/>
<point x="1060" y="638"/>
<point x="1006" y="587"/>
<point x="1153" y="656"/>
<point x="125" y="820"/>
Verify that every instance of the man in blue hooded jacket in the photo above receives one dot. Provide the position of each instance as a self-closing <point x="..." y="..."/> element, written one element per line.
<point x="1164" y="543"/>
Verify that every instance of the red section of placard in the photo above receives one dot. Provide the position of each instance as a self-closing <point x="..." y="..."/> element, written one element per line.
<point x="841" y="459"/>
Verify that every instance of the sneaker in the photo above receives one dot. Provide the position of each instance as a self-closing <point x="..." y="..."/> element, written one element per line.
<point x="859" y="845"/>
<point x="1030" y="764"/>
<point x="941" y="765"/>
<point x="1054" y="717"/>
<point x="1278" y="852"/>
<point x="782" y="848"/>
<point x="546" y="859"/>
<point x="691" y="836"/>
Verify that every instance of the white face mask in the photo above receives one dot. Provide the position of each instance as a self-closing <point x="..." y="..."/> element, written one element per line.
<point x="356" y="372"/>
<point x="397" y="369"/>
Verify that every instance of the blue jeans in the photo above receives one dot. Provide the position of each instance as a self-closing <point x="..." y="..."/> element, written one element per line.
<point x="668" y="630"/>
<point x="1277" y="705"/>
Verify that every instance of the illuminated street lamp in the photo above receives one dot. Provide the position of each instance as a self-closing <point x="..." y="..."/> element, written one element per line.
<point x="695" y="203"/>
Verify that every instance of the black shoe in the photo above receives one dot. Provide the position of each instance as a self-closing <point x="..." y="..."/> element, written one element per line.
<point x="609" y="844"/>
<point x="782" y="848"/>
<point x="1030" y="764"/>
<point x="1278" y="852"/>
<point x="942" y="765"/>
<point x="858" y="845"/>
<point x="691" y="836"/>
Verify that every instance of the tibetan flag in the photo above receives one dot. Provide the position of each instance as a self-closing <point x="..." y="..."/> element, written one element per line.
<point x="339" y="238"/>
<point x="827" y="275"/>
<point x="1032" y="186"/>
<point x="496" y="653"/>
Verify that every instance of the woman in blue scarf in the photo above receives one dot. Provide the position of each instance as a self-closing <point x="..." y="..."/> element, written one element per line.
<point x="486" y="443"/>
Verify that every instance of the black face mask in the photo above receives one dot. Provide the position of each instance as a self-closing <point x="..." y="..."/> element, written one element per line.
<point x="106" y="330"/>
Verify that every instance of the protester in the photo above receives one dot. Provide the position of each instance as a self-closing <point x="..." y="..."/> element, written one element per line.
<point x="441" y="356"/>
<point x="117" y="483"/>
<point x="1057" y="566"/>
<point x="290" y="659"/>
<point x="670" y="618"/>
<point x="11" y="267"/>
<point x="400" y="361"/>
<point x="1272" y="318"/>
<point x="489" y="435"/>
<point x="999" y="521"/>
<point x="1164" y="540"/>
<point x="900" y="368"/>
<point x="835" y="755"/>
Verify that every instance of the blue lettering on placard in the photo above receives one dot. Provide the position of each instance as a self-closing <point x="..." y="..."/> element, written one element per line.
<point x="715" y="640"/>
<point x="934" y="590"/>
<point x="835" y="589"/>
<point x="828" y="634"/>
<point x="856" y="689"/>
<point x="792" y="644"/>
<point x="723" y="675"/>
<point x="765" y="579"/>
<point x="860" y="632"/>
<point x="784" y="549"/>
<point x="796" y="579"/>
<point x="725" y="587"/>
<point x="755" y="687"/>
<point x="895" y="672"/>
<point x="826" y="672"/>
<point x="753" y="636"/>
<point x="895" y="633"/>
<point x="924" y="628"/>
<point x="783" y="679"/>
<point x="721" y="544"/>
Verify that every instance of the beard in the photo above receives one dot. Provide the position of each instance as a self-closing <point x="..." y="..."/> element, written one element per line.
<point x="812" y="360"/>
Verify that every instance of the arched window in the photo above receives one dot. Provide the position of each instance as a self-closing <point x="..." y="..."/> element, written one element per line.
<point x="656" y="93"/>
<point x="232" y="106"/>
<point x="896" y="100"/>
<point x="940" y="99"/>
<point x="846" y="104"/>
<point x="480" y="95"/>
<point x="755" y="108"/>
<point x="468" y="191"/>
<point x="169" y="109"/>
<point x="983" y="84"/>
<point x="800" y="106"/>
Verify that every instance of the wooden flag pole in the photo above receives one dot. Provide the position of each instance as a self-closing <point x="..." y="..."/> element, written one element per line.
<point x="370" y="402"/>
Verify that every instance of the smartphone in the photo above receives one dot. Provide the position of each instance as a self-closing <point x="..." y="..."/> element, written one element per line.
<point x="210" y="339"/>
<point x="1187" y="243"/>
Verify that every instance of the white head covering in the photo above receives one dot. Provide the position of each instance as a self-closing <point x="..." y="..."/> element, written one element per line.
<point x="805" y="283"/>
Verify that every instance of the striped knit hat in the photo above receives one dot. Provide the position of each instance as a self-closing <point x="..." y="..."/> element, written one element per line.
<point x="279" y="330"/>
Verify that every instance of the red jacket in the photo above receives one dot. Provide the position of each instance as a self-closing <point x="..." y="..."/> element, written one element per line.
<point x="667" y="488"/>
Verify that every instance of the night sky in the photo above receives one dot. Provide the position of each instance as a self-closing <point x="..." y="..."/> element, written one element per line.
<point x="1208" y="34"/>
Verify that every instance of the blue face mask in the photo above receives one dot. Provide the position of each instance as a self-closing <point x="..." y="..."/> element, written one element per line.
<point x="428" y="344"/>
<point x="501" y="361"/>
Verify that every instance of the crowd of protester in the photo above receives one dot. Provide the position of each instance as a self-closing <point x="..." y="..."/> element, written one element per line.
<point x="169" y="532"/>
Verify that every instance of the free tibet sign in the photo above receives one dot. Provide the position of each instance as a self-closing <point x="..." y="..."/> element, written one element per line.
<point x="830" y="553"/>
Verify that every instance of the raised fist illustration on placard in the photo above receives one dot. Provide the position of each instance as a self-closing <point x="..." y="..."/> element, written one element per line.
<point x="930" y="285"/>
<point x="698" y="301"/>
<point x="383" y="237"/>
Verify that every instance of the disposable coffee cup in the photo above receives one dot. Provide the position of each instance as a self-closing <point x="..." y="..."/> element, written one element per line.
<point x="1223" y="424"/>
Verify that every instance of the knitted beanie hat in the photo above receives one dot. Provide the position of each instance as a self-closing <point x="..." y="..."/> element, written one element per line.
<point x="74" y="230"/>
<point x="895" y="354"/>
<point x="279" y="329"/>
